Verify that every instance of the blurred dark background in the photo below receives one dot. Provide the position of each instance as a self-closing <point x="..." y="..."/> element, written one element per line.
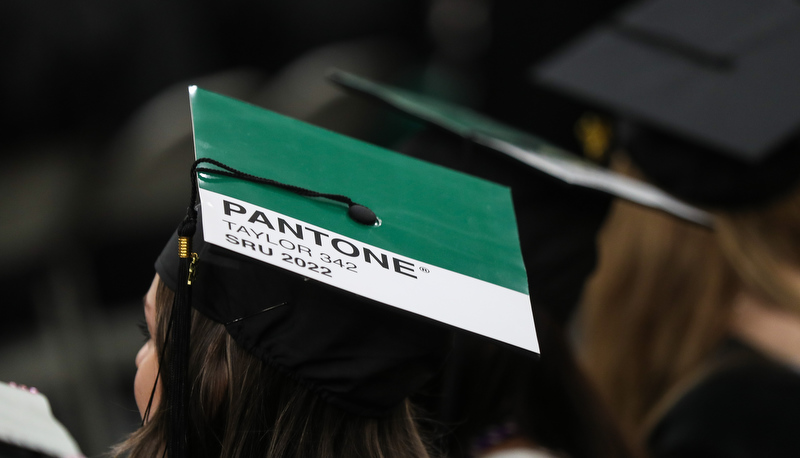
<point x="96" y="143"/>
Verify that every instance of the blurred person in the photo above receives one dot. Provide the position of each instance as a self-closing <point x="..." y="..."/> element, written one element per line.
<point x="690" y="333"/>
<point x="656" y="307"/>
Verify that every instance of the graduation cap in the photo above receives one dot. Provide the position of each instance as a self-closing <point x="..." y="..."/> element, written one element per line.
<point x="355" y="300"/>
<point x="707" y="91"/>
<point x="521" y="146"/>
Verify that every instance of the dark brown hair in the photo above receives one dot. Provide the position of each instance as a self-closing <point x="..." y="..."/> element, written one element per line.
<point x="242" y="407"/>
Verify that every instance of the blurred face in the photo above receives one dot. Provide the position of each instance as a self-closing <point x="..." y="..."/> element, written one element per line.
<point x="147" y="358"/>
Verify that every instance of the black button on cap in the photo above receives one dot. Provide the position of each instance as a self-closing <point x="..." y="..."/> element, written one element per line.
<point x="362" y="214"/>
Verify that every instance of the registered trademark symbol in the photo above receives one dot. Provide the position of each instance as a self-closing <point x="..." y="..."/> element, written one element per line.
<point x="424" y="269"/>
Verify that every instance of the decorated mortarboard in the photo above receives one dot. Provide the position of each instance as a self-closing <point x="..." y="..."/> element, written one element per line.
<point x="343" y="264"/>
<point x="521" y="146"/>
<point x="709" y="92"/>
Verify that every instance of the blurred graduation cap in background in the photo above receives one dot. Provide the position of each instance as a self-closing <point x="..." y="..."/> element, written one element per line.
<point x="520" y="146"/>
<point x="358" y="308"/>
<point x="706" y="93"/>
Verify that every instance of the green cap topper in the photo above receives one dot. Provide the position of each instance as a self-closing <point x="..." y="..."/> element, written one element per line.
<point x="446" y="246"/>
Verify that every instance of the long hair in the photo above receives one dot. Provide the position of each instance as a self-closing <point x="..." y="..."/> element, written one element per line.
<point x="241" y="407"/>
<point x="661" y="300"/>
<point x="656" y="306"/>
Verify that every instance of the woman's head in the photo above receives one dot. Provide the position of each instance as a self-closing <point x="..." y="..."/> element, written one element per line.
<point x="362" y="356"/>
<point x="241" y="406"/>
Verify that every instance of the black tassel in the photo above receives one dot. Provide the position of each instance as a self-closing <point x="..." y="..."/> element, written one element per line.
<point x="179" y="342"/>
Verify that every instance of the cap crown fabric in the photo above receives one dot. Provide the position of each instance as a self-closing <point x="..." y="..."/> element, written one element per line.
<point x="722" y="73"/>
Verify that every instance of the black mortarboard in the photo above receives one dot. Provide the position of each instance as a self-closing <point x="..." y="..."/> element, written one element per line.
<point x="708" y="92"/>
<point x="357" y="312"/>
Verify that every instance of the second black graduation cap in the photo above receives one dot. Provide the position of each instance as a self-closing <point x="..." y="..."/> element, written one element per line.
<point x="521" y="146"/>
<point x="719" y="80"/>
